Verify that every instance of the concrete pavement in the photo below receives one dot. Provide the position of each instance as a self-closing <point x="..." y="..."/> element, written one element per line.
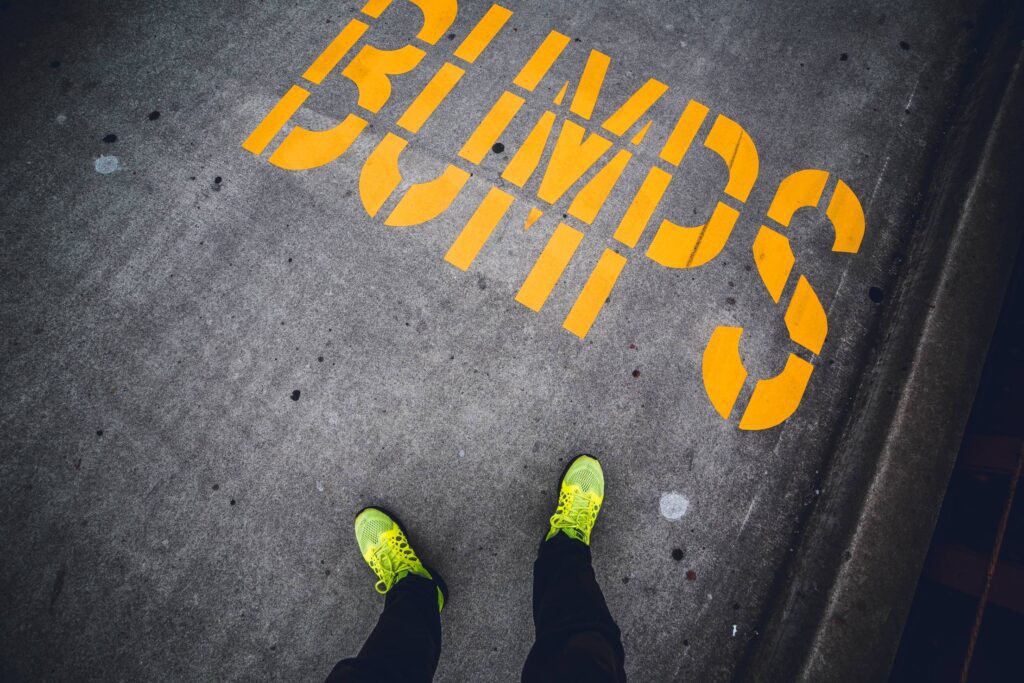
<point x="222" y="336"/>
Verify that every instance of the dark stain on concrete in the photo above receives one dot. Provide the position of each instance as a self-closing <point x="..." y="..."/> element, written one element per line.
<point x="296" y="394"/>
<point x="498" y="148"/>
<point x="876" y="294"/>
<point x="677" y="554"/>
<point x="153" y="115"/>
<point x="58" y="585"/>
<point x="110" y="138"/>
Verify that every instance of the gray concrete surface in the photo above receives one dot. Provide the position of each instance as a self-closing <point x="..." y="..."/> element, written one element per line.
<point x="167" y="509"/>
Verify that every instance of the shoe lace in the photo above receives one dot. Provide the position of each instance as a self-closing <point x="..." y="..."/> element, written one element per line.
<point x="392" y="559"/>
<point x="576" y="511"/>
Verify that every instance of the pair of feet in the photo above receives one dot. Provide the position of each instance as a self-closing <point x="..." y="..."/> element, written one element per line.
<point x="385" y="545"/>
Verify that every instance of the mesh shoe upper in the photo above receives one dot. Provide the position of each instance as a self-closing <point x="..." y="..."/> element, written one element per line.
<point x="386" y="549"/>
<point x="579" y="499"/>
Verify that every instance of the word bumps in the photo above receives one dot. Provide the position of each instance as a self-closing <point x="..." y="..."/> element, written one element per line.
<point x="581" y="171"/>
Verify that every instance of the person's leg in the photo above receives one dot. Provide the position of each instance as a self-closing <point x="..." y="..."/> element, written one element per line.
<point x="405" y="645"/>
<point x="577" y="638"/>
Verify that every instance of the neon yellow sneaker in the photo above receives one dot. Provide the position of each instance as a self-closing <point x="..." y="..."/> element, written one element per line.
<point x="385" y="547"/>
<point x="579" y="500"/>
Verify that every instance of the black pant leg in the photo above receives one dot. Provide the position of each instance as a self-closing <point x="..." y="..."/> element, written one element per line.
<point x="405" y="645"/>
<point x="577" y="638"/>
